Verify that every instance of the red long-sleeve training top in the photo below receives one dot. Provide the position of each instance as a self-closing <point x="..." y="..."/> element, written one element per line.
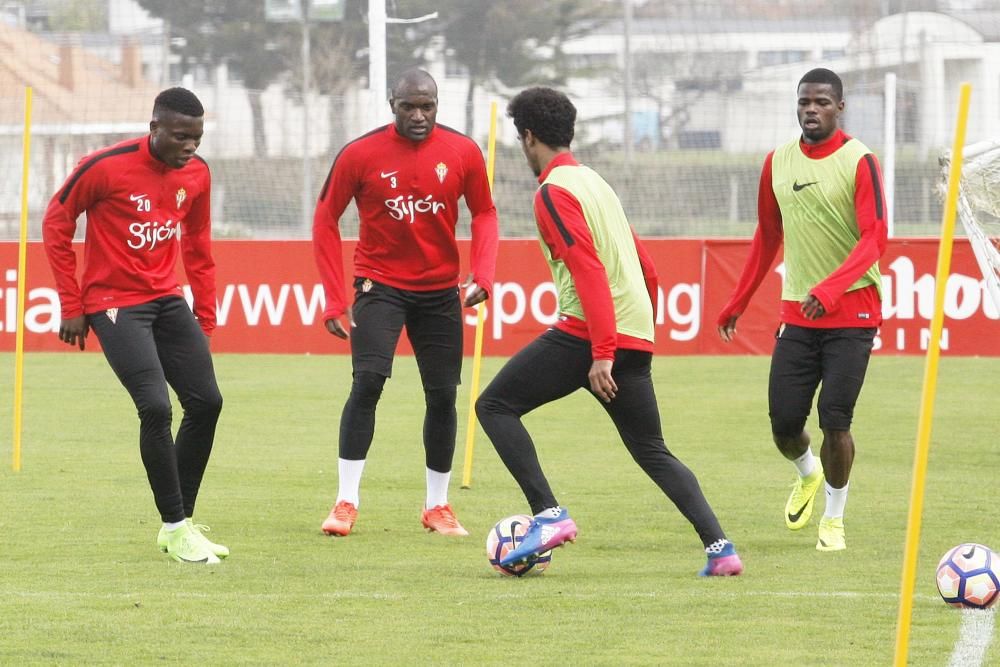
<point x="570" y="241"/>
<point x="407" y="196"/>
<point x="841" y="306"/>
<point x="137" y="209"/>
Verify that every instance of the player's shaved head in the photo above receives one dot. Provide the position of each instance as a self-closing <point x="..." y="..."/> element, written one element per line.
<point x="414" y="81"/>
<point x="414" y="103"/>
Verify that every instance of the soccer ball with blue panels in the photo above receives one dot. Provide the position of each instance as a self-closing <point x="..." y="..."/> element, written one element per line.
<point x="969" y="576"/>
<point x="506" y="535"/>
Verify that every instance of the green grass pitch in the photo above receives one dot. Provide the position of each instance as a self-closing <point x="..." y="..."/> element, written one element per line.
<point x="81" y="580"/>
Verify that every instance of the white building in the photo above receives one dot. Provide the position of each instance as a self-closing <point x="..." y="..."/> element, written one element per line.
<point x="730" y="84"/>
<point x="686" y="74"/>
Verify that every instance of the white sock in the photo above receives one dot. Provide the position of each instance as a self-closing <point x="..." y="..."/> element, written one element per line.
<point x="437" y="488"/>
<point x="835" y="501"/>
<point x="550" y="513"/>
<point x="806" y="463"/>
<point x="350" y="480"/>
<point x="173" y="526"/>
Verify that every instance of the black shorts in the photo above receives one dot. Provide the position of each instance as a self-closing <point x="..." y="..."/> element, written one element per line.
<point x="803" y="359"/>
<point x="433" y="322"/>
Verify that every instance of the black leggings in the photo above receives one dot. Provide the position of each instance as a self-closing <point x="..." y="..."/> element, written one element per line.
<point x="555" y="365"/>
<point x="433" y="322"/>
<point x="357" y="422"/>
<point x="149" y="346"/>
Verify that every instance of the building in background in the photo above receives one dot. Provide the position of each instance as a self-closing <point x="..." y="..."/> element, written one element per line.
<point x="68" y="119"/>
<point x="709" y="96"/>
<point x="688" y="73"/>
<point x="726" y="84"/>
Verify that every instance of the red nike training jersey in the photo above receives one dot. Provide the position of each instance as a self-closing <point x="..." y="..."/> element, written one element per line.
<point x="137" y="208"/>
<point x="407" y="196"/>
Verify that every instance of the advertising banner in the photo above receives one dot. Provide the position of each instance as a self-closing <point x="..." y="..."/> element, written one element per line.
<point x="270" y="299"/>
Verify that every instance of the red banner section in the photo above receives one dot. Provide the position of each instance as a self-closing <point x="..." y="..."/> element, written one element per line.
<point x="271" y="300"/>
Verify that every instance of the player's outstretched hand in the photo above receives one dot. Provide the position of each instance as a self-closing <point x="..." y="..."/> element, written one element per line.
<point x="473" y="293"/>
<point x="727" y="331"/>
<point x="74" y="331"/>
<point x="601" y="382"/>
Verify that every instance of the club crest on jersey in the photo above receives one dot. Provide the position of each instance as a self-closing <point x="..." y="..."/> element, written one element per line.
<point x="181" y="196"/>
<point x="366" y="286"/>
<point x="112" y="314"/>
<point x="441" y="170"/>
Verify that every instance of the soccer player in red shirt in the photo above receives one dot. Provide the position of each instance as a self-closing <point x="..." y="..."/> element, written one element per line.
<point x="821" y="196"/>
<point x="603" y="341"/>
<point x="139" y="196"/>
<point x="406" y="179"/>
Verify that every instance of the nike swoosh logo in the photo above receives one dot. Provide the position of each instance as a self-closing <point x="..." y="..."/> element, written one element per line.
<point x="138" y="197"/>
<point x="795" y="517"/>
<point x="387" y="174"/>
<point x="796" y="187"/>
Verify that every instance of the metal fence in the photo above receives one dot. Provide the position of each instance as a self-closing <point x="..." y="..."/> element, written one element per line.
<point x="678" y="101"/>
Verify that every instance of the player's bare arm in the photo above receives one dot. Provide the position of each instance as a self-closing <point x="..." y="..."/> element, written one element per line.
<point x="74" y="331"/>
<point x="601" y="382"/>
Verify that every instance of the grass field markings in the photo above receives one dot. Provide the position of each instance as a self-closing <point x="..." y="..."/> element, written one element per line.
<point x="295" y="586"/>
<point x="507" y="595"/>
<point x="974" y="637"/>
<point x="836" y="594"/>
<point x="193" y="595"/>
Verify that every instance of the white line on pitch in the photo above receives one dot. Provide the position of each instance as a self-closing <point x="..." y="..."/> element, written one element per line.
<point x="974" y="637"/>
<point x="519" y="595"/>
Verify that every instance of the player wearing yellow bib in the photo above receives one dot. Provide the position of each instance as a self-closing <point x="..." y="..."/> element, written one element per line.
<point x="603" y="341"/>
<point x="820" y="195"/>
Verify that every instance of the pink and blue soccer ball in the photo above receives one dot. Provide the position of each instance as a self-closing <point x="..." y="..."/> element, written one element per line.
<point x="506" y="535"/>
<point x="969" y="576"/>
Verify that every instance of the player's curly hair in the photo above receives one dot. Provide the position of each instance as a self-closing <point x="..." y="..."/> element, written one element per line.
<point x="823" y="75"/>
<point x="546" y="112"/>
<point x="178" y="100"/>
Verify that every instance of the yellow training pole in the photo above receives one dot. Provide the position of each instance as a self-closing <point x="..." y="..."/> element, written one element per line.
<point x="930" y="384"/>
<point x="477" y="354"/>
<point x="22" y="260"/>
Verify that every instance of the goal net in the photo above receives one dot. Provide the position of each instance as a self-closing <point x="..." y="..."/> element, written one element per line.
<point x="979" y="207"/>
